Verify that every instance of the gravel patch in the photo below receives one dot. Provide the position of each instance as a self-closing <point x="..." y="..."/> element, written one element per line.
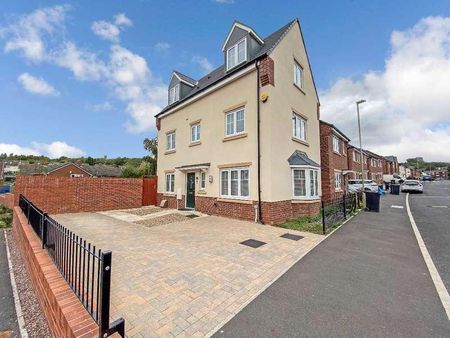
<point x="35" y="321"/>
<point x="144" y="211"/>
<point x="166" y="219"/>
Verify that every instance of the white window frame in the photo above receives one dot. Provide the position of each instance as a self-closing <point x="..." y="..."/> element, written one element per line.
<point x="337" y="181"/>
<point x="196" y="133"/>
<point x="202" y="180"/>
<point x="300" y="121"/>
<point x="234" y="113"/>
<point x="174" y="93"/>
<point x="239" y="195"/>
<point x="170" y="183"/>
<point x="336" y="144"/>
<point x="316" y="176"/>
<point x="171" y="141"/>
<point x="299" y="75"/>
<point x="236" y="53"/>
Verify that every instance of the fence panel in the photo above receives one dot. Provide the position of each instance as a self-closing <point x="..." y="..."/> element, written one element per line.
<point x="86" y="269"/>
<point x="336" y="211"/>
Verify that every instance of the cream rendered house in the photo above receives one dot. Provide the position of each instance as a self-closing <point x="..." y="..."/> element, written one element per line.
<point x="243" y="141"/>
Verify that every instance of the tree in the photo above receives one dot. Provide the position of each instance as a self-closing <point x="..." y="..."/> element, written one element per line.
<point x="151" y="145"/>
<point x="89" y="160"/>
<point x="130" y="171"/>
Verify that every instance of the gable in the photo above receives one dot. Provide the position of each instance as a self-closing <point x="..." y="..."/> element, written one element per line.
<point x="237" y="32"/>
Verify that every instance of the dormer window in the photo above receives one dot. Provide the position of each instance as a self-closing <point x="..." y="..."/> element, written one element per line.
<point x="237" y="54"/>
<point x="174" y="94"/>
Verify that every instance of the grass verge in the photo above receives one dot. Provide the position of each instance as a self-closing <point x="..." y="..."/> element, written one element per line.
<point x="306" y="223"/>
<point x="6" y="216"/>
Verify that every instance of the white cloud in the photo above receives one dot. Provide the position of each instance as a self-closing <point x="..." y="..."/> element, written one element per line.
<point x="27" y="33"/>
<point x="37" y="85"/>
<point x="407" y="112"/>
<point x="111" y="31"/>
<point x="204" y="63"/>
<point x="227" y="2"/>
<point x="53" y="150"/>
<point x="100" y="107"/>
<point x="162" y="47"/>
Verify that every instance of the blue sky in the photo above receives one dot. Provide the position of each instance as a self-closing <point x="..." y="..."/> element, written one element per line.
<point x="49" y="98"/>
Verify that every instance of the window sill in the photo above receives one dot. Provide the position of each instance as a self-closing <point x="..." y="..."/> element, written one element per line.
<point x="234" y="200"/>
<point x="299" y="88"/>
<point x="201" y="192"/>
<point x="306" y="200"/>
<point x="234" y="137"/>
<point x="335" y="152"/>
<point x="295" y="139"/>
<point x="196" y="143"/>
<point x="170" y="152"/>
<point x="169" y="194"/>
<point x="337" y="190"/>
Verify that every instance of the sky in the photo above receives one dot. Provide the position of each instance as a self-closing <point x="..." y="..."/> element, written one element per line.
<point x="85" y="78"/>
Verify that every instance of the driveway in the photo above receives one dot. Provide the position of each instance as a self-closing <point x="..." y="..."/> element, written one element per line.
<point x="185" y="278"/>
<point x="368" y="279"/>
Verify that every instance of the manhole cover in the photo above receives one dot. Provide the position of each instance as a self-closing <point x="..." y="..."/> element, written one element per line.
<point x="253" y="243"/>
<point x="292" y="236"/>
<point x="192" y="216"/>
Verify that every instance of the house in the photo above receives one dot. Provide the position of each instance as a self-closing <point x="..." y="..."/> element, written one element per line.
<point x="401" y="170"/>
<point x="10" y="170"/>
<point x="354" y="163"/>
<point x="333" y="160"/>
<point x="243" y="141"/>
<point x="375" y="166"/>
<point x="394" y="166"/>
<point x="74" y="170"/>
<point x="438" y="173"/>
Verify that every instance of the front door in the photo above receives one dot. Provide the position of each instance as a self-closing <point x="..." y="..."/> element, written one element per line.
<point x="190" y="190"/>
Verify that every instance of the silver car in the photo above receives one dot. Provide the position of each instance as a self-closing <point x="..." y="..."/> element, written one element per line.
<point x="356" y="185"/>
<point x="412" y="186"/>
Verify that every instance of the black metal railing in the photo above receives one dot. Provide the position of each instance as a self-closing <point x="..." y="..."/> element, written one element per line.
<point x="85" y="268"/>
<point x="337" y="210"/>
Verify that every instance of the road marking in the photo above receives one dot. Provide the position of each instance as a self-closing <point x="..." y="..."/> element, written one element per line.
<point x="20" y="320"/>
<point x="439" y="206"/>
<point x="397" y="206"/>
<point x="437" y="280"/>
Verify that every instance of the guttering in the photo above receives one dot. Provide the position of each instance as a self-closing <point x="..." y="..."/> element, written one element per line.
<point x="258" y="136"/>
<point x="210" y="89"/>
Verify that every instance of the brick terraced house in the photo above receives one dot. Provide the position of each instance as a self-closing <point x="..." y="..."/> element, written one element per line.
<point x="375" y="165"/>
<point x="243" y="141"/>
<point x="392" y="167"/>
<point x="354" y="163"/>
<point x="333" y="160"/>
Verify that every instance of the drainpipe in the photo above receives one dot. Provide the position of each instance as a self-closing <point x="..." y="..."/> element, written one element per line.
<point x="258" y="135"/>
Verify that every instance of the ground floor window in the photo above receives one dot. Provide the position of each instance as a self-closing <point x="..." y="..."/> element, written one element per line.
<point x="234" y="183"/>
<point x="170" y="182"/>
<point x="305" y="183"/>
<point x="202" y="180"/>
<point x="337" y="180"/>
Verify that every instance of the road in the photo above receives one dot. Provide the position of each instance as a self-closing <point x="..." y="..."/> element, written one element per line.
<point x="431" y="211"/>
<point x="8" y="318"/>
<point x="368" y="279"/>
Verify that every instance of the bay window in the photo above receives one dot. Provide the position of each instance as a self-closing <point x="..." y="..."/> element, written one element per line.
<point x="305" y="183"/>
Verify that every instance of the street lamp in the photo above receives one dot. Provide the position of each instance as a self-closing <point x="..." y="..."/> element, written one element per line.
<point x="361" y="153"/>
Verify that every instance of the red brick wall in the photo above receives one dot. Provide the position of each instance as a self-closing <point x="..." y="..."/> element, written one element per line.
<point x="7" y="200"/>
<point x="64" y="313"/>
<point x="272" y="212"/>
<point x="267" y="72"/>
<point x="65" y="194"/>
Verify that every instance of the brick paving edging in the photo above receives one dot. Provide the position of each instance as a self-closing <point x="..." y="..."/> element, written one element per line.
<point x="65" y="314"/>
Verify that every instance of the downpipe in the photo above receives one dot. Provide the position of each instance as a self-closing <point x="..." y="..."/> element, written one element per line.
<point x="258" y="210"/>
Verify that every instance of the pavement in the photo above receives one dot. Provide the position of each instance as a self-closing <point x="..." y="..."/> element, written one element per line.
<point x="185" y="278"/>
<point x="8" y="317"/>
<point x="431" y="211"/>
<point x="368" y="279"/>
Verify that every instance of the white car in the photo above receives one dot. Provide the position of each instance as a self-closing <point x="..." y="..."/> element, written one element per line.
<point x="356" y="185"/>
<point x="412" y="186"/>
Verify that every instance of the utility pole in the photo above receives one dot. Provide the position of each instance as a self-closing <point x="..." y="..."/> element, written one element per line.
<point x="361" y="153"/>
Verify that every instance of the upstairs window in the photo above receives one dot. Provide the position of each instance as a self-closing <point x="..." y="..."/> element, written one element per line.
<point x="298" y="75"/>
<point x="235" y="123"/>
<point x="174" y="94"/>
<point x="170" y="144"/>
<point x="299" y="127"/>
<point x="195" y="133"/>
<point x="337" y="180"/>
<point x="335" y="144"/>
<point x="237" y="54"/>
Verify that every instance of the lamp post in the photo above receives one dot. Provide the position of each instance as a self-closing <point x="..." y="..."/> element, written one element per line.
<point x="361" y="153"/>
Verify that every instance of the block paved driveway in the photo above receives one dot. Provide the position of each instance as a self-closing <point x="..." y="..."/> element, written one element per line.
<point x="185" y="278"/>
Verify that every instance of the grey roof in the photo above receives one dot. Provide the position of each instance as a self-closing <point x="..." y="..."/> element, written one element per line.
<point x="185" y="78"/>
<point x="32" y="169"/>
<point x="335" y="128"/>
<point x="391" y="158"/>
<point x="99" y="170"/>
<point x="103" y="170"/>
<point x="220" y="73"/>
<point x="300" y="158"/>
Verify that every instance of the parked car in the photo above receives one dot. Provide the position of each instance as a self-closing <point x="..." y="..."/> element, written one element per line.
<point x="396" y="178"/>
<point x="427" y="178"/>
<point x="412" y="186"/>
<point x="356" y="185"/>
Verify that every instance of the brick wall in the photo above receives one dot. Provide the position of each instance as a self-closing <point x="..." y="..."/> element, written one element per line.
<point x="267" y="72"/>
<point x="64" y="194"/>
<point x="7" y="200"/>
<point x="65" y="314"/>
<point x="272" y="212"/>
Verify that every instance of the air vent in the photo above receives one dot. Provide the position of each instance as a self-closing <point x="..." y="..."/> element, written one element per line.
<point x="253" y="243"/>
<point x="292" y="237"/>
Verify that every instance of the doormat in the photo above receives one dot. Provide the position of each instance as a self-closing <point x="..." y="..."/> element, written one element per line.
<point x="292" y="236"/>
<point x="192" y="216"/>
<point x="253" y="243"/>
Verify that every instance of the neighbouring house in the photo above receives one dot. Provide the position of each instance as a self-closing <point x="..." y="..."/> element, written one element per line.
<point x="354" y="163"/>
<point x="438" y="173"/>
<point x="375" y="166"/>
<point x="394" y="166"/>
<point x="10" y="170"/>
<point x="333" y="161"/>
<point x="243" y="141"/>
<point x="70" y="170"/>
<point x="401" y="170"/>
